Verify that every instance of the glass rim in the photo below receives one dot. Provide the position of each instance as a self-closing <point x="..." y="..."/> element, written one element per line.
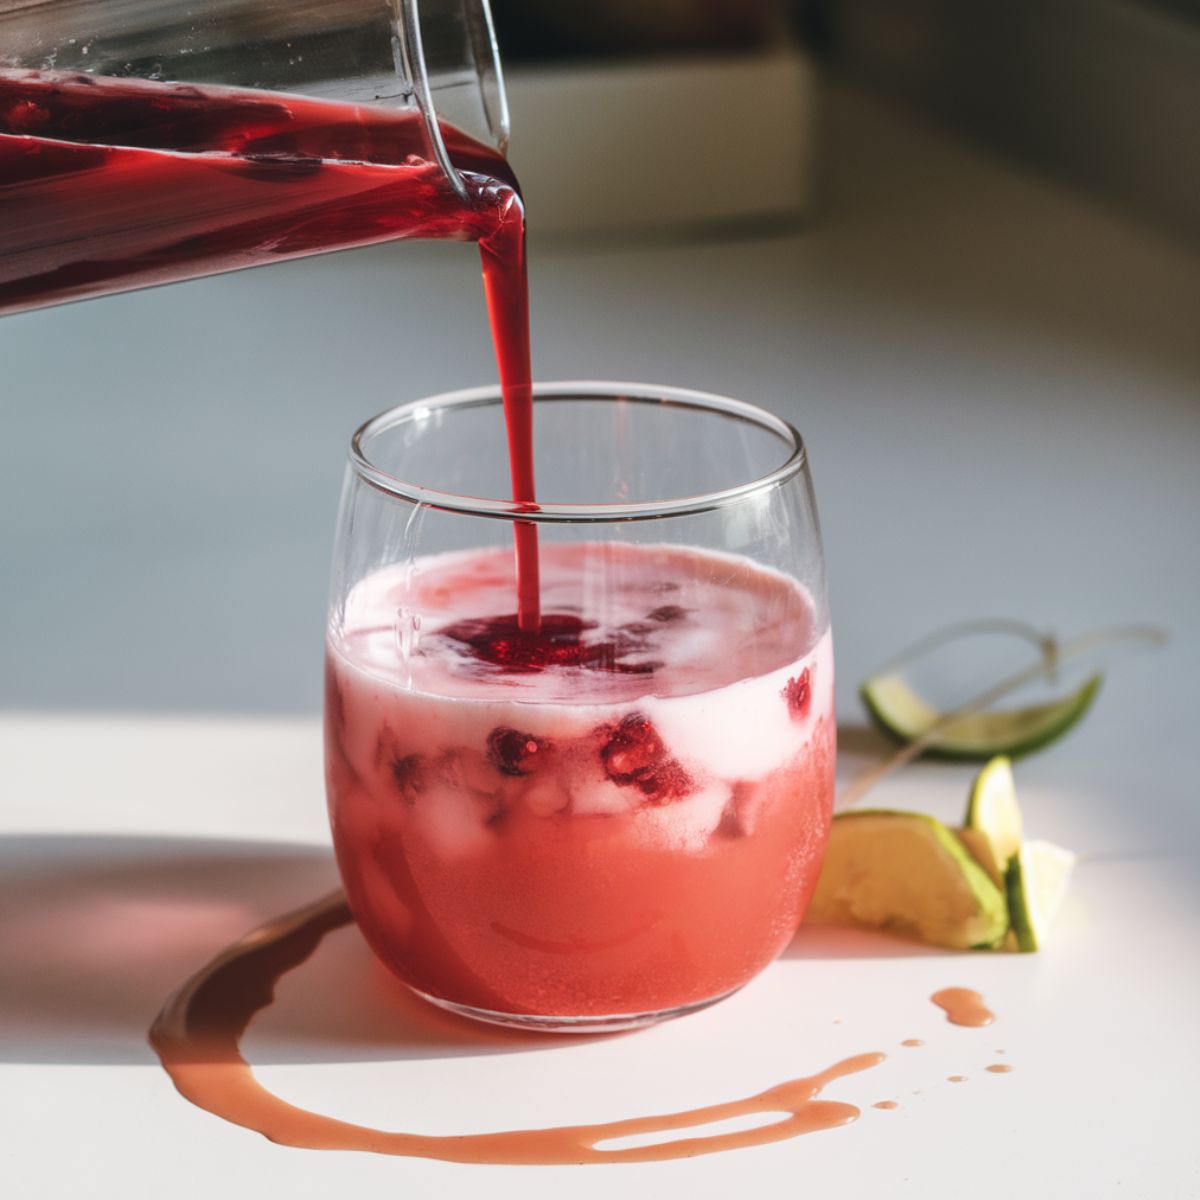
<point x="574" y="390"/>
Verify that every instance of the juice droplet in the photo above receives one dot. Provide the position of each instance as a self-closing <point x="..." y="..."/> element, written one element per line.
<point x="912" y="1042"/>
<point x="198" y="1032"/>
<point x="1000" y="1068"/>
<point x="963" y="1007"/>
<point x="885" y="1104"/>
<point x="956" y="1078"/>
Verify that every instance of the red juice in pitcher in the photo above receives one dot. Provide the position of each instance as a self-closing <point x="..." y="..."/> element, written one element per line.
<point x="108" y="184"/>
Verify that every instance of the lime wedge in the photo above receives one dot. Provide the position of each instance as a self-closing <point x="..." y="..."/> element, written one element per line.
<point x="907" y="873"/>
<point x="992" y="808"/>
<point x="980" y="848"/>
<point x="1036" y="881"/>
<point x="978" y="736"/>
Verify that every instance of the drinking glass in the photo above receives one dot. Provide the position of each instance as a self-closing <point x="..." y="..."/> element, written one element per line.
<point x="621" y="817"/>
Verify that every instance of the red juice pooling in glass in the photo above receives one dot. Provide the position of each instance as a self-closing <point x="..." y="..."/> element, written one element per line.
<point x="109" y="184"/>
<point x="623" y="813"/>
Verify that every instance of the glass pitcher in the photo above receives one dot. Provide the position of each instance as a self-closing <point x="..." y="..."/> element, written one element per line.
<point x="147" y="141"/>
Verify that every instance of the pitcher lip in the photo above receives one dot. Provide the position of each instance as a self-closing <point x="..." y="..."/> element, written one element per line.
<point x="550" y="392"/>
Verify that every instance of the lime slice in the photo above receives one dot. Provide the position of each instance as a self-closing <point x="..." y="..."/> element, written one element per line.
<point x="992" y="808"/>
<point x="908" y="874"/>
<point x="977" y="736"/>
<point x="1036" y="882"/>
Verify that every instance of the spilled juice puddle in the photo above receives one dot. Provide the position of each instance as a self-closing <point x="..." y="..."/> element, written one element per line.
<point x="963" y="1007"/>
<point x="197" y="1038"/>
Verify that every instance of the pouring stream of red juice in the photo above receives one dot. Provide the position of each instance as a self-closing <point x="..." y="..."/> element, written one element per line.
<point x="109" y="184"/>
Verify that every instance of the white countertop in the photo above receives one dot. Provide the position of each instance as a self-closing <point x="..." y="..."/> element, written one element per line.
<point x="998" y="383"/>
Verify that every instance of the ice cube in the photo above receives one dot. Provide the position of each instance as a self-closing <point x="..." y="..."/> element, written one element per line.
<point x="592" y="796"/>
<point x="545" y="797"/>
<point x="686" y="824"/>
<point x="455" y="822"/>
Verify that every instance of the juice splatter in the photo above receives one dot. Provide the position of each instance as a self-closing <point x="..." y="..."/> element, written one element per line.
<point x="963" y="1007"/>
<point x="197" y="1037"/>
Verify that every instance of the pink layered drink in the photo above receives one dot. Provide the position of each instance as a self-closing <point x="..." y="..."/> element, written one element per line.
<point x="622" y="814"/>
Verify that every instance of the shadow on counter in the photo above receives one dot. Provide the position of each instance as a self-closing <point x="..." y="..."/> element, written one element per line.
<point x="99" y="930"/>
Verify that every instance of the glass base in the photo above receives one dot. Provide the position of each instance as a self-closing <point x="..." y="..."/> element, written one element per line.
<point x="598" y="1024"/>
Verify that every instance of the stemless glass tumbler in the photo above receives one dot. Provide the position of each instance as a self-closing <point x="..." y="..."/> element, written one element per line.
<point x="619" y="817"/>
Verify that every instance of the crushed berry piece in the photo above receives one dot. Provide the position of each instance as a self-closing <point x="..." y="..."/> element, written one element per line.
<point x="513" y="752"/>
<point x="500" y="641"/>
<point x="633" y="749"/>
<point x="668" y="781"/>
<point x="741" y="812"/>
<point x="667" y="613"/>
<point x="634" y="756"/>
<point x="409" y="774"/>
<point x="560" y="641"/>
<point x="798" y="694"/>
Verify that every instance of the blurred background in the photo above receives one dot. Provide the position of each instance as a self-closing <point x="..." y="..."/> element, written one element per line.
<point x="955" y="244"/>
